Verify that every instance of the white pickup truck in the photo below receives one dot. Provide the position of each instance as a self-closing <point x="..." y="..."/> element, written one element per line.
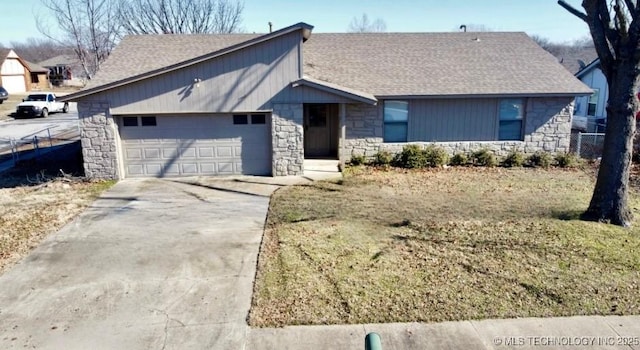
<point x="40" y="104"/>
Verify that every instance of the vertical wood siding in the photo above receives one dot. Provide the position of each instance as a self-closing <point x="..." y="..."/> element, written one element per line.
<point x="453" y="120"/>
<point x="245" y="80"/>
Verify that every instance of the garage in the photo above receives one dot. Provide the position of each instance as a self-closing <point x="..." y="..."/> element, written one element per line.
<point x="14" y="83"/>
<point x="190" y="145"/>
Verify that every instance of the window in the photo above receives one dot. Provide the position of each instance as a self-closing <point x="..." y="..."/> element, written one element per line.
<point x="130" y="121"/>
<point x="239" y="119"/>
<point x="511" y="114"/>
<point x="148" y="121"/>
<point x="396" y="115"/>
<point x="258" y="119"/>
<point x="593" y="103"/>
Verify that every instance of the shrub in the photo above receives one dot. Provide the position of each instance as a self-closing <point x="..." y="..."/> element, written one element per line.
<point x="459" y="159"/>
<point x="513" y="159"/>
<point x="567" y="160"/>
<point x="540" y="159"/>
<point x="383" y="158"/>
<point x="436" y="156"/>
<point x="357" y="160"/>
<point x="484" y="157"/>
<point x="412" y="156"/>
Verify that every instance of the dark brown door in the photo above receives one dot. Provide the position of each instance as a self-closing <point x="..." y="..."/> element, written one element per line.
<point x="319" y="125"/>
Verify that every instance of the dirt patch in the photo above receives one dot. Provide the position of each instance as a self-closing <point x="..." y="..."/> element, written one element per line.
<point x="441" y="245"/>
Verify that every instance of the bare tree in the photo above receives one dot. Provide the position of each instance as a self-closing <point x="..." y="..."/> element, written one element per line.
<point x="615" y="28"/>
<point x="364" y="25"/>
<point x="180" y="16"/>
<point x="38" y="49"/>
<point x="90" y="27"/>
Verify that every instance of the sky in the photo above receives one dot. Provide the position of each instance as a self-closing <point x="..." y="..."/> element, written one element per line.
<point x="540" y="17"/>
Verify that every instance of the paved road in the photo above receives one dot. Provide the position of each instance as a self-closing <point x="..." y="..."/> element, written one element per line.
<point x="153" y="264"/>
<point x="26" y="129"/>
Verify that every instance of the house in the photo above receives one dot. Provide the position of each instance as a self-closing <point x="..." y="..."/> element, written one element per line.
<point x="13" y="72"/>
<point x="19" y="76"/>
<point x="262" y="104"/>
<point x="591" y="111"/>
<point x="38" y="78"/>
<point x="65" y="70"/>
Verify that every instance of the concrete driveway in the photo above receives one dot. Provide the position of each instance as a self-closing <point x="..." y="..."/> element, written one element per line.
<point x="153" y="264"/>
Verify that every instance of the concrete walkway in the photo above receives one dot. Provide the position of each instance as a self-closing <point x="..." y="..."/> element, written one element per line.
<point x="152" y="264"/>
<point x="583" y="332"/>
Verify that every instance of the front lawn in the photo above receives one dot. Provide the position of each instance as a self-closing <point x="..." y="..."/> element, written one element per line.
<point x="439" y="245"/>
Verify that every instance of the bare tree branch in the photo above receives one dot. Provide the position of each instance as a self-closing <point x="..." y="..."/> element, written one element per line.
<point x="363" y="25"/>
<point x="180" y="16"/>
<point x="572" y="10"/>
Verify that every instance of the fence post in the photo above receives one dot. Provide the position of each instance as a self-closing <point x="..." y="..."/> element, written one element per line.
<point x="35" y="146"/>
<point x="579" y="144"/>
<point x="50" y="141"/>
<point x="14" y="151"/>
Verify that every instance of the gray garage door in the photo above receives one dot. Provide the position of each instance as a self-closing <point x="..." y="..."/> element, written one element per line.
<point x="196" y="145"/>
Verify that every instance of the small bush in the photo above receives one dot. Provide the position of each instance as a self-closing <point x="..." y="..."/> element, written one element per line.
<point x="357" y="160"/>
<point x="484" y="157"/>
<point x="540" y="159"/>
<point x="436" y="156"/>
<point x="412" y="157"/>
<point x="513" y="159"/>
<point x="459" y="159"/>
<point x="567" y="160"/>
<point x="383" y="158"/>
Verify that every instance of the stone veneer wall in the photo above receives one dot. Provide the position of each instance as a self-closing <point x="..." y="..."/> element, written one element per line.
<point x="287" y="139"/>
<point x="98" y="136"/>
<point x="547" y="128"/>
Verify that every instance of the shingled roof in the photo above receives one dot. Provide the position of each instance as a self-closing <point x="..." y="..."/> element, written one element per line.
<point x="437" y="64"/>
<point x="381" y="64"/>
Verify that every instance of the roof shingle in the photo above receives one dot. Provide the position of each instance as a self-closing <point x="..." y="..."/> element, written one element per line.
<point x="383" y="64"/>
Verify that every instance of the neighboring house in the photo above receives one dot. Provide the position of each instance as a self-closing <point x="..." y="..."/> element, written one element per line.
<point x="574" y="59"/>
<point x="65" y="70"/>
<point x="38" y="78"/>
<point x="262" y="104"/>
<point x="19" y="76"/>
<point x="590" y="111"/>
<point x="13" y="72"/>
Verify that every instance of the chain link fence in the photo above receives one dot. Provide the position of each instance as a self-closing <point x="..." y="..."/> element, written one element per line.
<point x="587" y="145"/>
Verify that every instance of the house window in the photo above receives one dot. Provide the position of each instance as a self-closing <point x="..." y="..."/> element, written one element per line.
<point x="511" y="114"/>
<point x="258" y="119"/>
<point x="148" y="121"/>
<point x="593" y="103"/>
<point x="396" y="116"/>
<point x="240" y="119"/>
<point x="130" y="121"/>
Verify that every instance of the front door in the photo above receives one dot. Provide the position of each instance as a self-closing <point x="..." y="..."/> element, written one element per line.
<point x="320" y="131"/>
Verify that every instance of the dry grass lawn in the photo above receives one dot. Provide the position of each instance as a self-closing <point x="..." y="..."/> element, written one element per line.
<point x="453" y="244"/>
<point x="35" y="200"/>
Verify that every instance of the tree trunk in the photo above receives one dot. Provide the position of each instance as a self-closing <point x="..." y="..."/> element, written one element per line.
<point x="609" y="200"/>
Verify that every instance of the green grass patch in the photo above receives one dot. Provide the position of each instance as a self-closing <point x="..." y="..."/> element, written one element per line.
<point x="441" y="245"/>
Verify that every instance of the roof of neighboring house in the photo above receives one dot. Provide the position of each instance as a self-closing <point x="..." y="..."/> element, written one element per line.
<point x="4" y="53"/>
<point x="380" y="64"/>
<point x="60" y="60"/>
<point x="34" y="68"/>
<point x="576" y="59"/>
<point x="588" y="68"/>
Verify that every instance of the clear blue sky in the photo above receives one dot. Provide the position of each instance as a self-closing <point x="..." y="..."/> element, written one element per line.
<point x="542" y="17"/>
